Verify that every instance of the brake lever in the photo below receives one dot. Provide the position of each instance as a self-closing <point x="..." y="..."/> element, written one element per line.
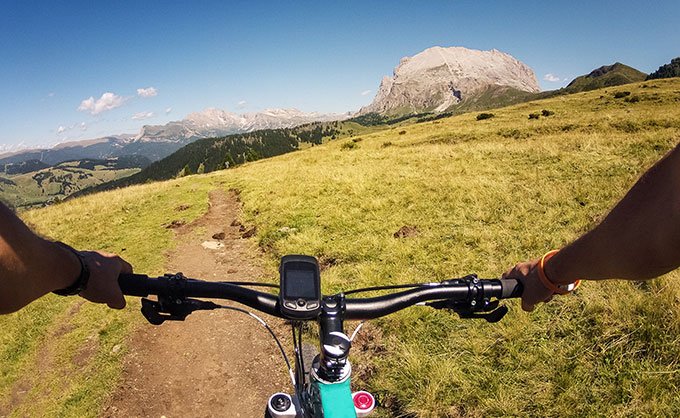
<point x="171" y="309"/>
<point x="487" y="310"/>
<point x="490" y="317"/>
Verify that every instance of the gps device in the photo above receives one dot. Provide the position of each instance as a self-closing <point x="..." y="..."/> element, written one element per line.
<point x="300" y="290"/>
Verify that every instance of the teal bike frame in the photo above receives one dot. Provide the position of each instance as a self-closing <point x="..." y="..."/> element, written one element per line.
<point x="335" y="399"/>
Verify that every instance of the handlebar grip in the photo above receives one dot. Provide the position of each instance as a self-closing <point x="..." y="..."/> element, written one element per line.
<point x="134" y="284"/>
<point x="511" y="288"/>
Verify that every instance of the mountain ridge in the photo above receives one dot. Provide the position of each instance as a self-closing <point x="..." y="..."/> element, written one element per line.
<point x="438" y="79"/>
<point x="158" y="141"/>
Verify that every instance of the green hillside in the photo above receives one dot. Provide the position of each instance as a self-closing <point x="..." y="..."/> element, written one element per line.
<point x="606" y="76"/>
<point x="210" y="154"/>
<point x="480" y="196"/>
<point x="35" y="184"/>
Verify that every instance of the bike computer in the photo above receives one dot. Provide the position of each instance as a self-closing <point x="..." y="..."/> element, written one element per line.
<point x="300" y="290"/>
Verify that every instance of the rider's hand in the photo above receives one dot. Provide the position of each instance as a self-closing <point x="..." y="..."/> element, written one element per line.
<point x="534" y="291"/>
<point x="103" y="284"/>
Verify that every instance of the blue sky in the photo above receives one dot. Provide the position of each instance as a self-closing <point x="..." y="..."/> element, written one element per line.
<point x="162" y="60"/>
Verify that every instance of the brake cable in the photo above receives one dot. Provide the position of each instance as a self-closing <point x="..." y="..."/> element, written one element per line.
<point x="271" y="332"/>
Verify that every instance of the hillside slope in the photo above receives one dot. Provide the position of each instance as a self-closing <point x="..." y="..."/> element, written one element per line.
<point x="479" y="196"/>
<point x="210" y="154"/>
<point x="33" y="183"/>
<point x="606" y="76"/>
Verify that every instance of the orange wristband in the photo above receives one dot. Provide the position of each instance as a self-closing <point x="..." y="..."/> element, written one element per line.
<point x="560" y="290"/>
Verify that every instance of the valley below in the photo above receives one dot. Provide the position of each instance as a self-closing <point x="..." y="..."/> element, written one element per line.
<point x="52" y="184"/>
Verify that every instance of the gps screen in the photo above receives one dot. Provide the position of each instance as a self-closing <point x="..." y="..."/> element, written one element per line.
<point x="300" y="284"/>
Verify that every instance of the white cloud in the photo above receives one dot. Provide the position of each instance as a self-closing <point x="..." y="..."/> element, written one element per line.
<point x="168" y="110"/>
<point x="50" y="94"/>
<point x="241" y="104"/>
<point x="366" y="92"/>
<point x="62" y="129"/>
<point x="15" y="147"/>
<point x="147" y="92"/>
<point x="142" y="115"/>
<point x="108" y="101"/>
<point x="551" y="77"/>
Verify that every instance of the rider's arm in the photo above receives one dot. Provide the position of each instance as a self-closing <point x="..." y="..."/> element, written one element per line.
<point x="639" y="239"/>
<point x="31" y="267"/>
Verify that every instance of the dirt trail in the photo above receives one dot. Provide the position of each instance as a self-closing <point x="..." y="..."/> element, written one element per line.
<point x="216" y="363"/>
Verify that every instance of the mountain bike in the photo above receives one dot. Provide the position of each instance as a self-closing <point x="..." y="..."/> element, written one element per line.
<point x="323" y="389"/>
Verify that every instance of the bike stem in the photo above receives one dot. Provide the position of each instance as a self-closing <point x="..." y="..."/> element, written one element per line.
<point x="334" y="344"/>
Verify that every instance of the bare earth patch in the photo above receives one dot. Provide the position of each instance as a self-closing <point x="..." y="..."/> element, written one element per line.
<point x="216" y="363"/>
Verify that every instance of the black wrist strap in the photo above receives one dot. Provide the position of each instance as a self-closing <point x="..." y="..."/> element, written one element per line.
<point x="81" y="282"/>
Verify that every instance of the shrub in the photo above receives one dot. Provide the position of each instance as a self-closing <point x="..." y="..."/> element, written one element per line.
<point x="349" y="145"/>
<point x="626" y="126"/>
<point x="621" y="94"/>
<point x="547" y="113"/>
<point x="632" y="99"/>
<point x="513" y="133"/>
<point x="402" y="132"/>
<point x="358" y="139"/>
<point x="534" y="115"/>
<point x="483" y="116"/>
<point x="386" y="144"/>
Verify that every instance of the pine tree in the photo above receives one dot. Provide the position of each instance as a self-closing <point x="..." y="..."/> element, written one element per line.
<point x="185" y="171"/>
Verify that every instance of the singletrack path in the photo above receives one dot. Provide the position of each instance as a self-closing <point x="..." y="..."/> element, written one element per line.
<point x="216" y="363"/>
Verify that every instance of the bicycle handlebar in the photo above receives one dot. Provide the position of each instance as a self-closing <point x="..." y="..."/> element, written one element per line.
<point x="355" y="308"/>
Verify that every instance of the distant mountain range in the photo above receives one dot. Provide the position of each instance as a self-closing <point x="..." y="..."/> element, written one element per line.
<point x="158" y="141"/>
<point x="213" y="123"/>
<point x="456" y="80"/>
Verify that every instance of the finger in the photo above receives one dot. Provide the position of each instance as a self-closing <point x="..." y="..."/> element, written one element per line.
<point x="125" y="267"/>
<point x="512" y="273"/>
<point x="119" y="303"/>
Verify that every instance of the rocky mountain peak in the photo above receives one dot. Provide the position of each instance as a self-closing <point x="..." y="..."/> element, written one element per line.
<point x="438" y="78"/>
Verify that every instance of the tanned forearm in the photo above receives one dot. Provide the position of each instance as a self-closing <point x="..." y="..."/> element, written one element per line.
<point x="639" y="239"/>
<point x="30" y="266"/>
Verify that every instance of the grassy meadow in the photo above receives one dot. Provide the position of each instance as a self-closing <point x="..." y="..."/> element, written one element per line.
<point x="481" y="196"/>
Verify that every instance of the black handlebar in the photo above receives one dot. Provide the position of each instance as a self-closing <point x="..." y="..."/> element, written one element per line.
<point x="143" y="286"/>
<point x="459" y="290"/>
